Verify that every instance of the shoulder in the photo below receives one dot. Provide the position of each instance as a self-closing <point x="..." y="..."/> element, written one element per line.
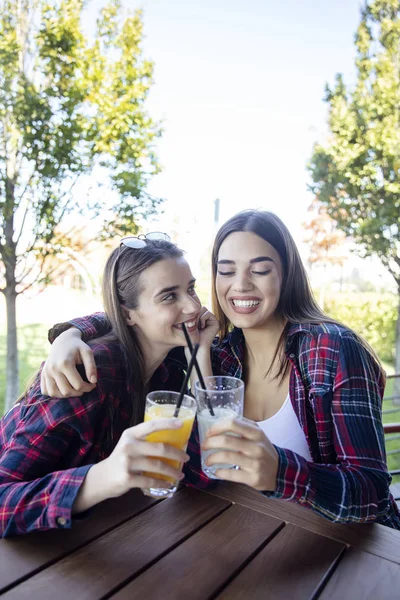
<point x="111" y="360"/>
<point x="44" y="412"/>
<point x="330" y="336"/>
<point x="331" y="350"/>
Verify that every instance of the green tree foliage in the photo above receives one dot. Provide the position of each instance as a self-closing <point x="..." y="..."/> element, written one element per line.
<point x="356" y="173"/>
<point x="371" y="315"/>
<point x="67" y="105"/>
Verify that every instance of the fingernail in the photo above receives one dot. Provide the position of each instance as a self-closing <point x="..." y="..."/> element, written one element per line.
<point x="181" y="476"/>
<point x="186" y="457"/>
<point x="93" y="379"/>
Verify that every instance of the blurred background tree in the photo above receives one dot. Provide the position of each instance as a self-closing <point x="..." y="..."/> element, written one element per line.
<point x="325" y="242"/>
<point x="67" y="105"/>
<point x="355" y="172"/>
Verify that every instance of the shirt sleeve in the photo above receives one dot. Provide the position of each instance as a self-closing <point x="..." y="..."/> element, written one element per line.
<point x="37" y="491"/>
<point x="356" y="487"/>
<point x="91" y="326"/>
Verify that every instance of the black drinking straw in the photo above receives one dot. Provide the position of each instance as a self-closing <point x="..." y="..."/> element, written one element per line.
<point x="196" y="364"/>
<point x="185" y="381"/>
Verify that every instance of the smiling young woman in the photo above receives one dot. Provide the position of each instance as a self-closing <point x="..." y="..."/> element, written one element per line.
<point x="313" y="431"/>
<point x="59" y="457"/>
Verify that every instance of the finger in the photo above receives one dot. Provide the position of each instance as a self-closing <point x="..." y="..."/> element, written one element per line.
<point x="231" y="458"/>
<point x="89" y="364"/>
<point x="203" y="319"/>
<point x="52" y="389"/>
<point x="144" y="429"/>
<point x="75" y="381"/>
<point x="155" y="467"/>
<point x="245" y="446"/>
<point x="236" y="475"/>
<point x="247" y="429"/>
<point x="158" y="450"/>
<point x="64" y="386"/>
<point x="43" y="384"/>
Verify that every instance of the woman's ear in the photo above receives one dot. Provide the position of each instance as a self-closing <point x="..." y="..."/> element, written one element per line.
<point x="129" y="316"/>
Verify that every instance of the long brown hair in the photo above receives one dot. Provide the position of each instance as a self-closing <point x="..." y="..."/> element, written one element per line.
<point x="121" y="288"/>
<point x="296" y="303"/>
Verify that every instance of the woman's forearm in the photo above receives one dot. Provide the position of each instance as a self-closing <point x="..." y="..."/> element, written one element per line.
<point x="92" y="491"/>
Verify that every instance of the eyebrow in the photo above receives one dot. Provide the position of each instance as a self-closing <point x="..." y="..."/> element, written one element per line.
<point x="173" y="288"/>
<point x="252" y="261"/>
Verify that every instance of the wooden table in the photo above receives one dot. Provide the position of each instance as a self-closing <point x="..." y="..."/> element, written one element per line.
<point x="229" y="543"/>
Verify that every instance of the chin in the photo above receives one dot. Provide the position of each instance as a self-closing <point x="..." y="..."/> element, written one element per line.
<point x="246" y="321"/>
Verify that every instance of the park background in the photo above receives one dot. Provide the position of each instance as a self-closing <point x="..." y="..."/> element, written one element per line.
<point x="239" y="88"/>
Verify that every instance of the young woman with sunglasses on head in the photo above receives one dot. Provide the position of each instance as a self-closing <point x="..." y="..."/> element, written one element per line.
<point x="59" y="457"/>
<point x="314" y="388"/>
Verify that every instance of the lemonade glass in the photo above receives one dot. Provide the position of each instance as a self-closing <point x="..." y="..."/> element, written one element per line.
<point x="162" y="405"/>
<point x="226" y="395"/>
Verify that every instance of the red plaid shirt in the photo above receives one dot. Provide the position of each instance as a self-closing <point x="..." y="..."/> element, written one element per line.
<point x="47" y="445"/>
<point x="336" y="391"/>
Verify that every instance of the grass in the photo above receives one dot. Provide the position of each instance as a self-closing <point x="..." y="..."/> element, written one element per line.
<point x="33" y="349"/>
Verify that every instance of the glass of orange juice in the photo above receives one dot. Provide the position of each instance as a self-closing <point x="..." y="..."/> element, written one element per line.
<point x="161" y="405"/>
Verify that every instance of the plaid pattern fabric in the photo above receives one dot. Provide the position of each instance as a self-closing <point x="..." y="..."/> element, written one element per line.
<point x="336" y="391"/>
<point x="47" y="445"/>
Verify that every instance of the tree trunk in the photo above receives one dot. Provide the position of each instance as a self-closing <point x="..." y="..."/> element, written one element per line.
<point x="396" y="384"/>
<point x="12" y="370"/>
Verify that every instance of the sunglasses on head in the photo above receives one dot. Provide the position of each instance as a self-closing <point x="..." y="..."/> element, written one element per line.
<point x="140" y="241"/>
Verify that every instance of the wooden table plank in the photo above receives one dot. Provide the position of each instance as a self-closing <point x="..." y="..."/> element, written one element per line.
<point x="207" y="560"/>
<point x="105" y="564"/>
<point x="362" y="575"/>
<point x="23" y="555"/>
<point x="373" y="538"/>
<point x="294" y="564"/>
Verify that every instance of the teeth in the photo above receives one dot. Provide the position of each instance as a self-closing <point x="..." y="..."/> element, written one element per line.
<point x="246" y="303"/>
<point x="188" y="324"/>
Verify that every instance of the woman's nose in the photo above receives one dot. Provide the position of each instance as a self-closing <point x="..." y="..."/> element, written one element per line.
<point x="242" y="283"/>
<point x="191" y="305"/>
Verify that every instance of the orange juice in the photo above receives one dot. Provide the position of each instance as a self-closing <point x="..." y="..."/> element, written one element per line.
<point x="176" y="437"/>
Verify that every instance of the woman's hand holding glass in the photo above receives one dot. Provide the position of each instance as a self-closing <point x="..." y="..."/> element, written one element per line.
<point x="252" y="452"/>
<point x="134" y="455"/>
<point x="124" y="469"/>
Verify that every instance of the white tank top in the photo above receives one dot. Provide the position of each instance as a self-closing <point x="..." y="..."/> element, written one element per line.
<point x="283" y="429"/>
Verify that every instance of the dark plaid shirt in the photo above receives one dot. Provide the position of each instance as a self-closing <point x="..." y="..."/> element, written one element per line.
<point x="47" y="445"/>
<point x="336" y="390"/>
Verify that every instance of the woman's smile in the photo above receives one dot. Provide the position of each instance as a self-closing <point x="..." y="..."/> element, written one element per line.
<point x="244" y="304"/>
<point x="191" y="325"/>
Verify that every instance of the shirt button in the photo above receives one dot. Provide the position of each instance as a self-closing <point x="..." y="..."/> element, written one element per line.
<point x="62" y="521"/>
<point x="292" y="355"/>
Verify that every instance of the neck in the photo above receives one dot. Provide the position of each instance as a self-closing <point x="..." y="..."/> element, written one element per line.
<point x="261" y="343"/>
<point x="153" y="356"/>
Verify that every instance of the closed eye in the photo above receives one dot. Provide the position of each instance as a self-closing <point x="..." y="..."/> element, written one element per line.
<point x="226" y="272"/>
<point x="262" y="272"/>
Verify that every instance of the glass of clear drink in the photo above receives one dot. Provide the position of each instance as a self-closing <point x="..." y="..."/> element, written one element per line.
<point x="226" y="395"/>
<point x="162" y="405"/>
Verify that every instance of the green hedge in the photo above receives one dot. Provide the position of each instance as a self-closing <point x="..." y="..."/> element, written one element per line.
<point x="372" y="315"/>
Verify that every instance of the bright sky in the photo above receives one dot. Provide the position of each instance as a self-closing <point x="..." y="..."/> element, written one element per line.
<point x="239" y="87"/>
